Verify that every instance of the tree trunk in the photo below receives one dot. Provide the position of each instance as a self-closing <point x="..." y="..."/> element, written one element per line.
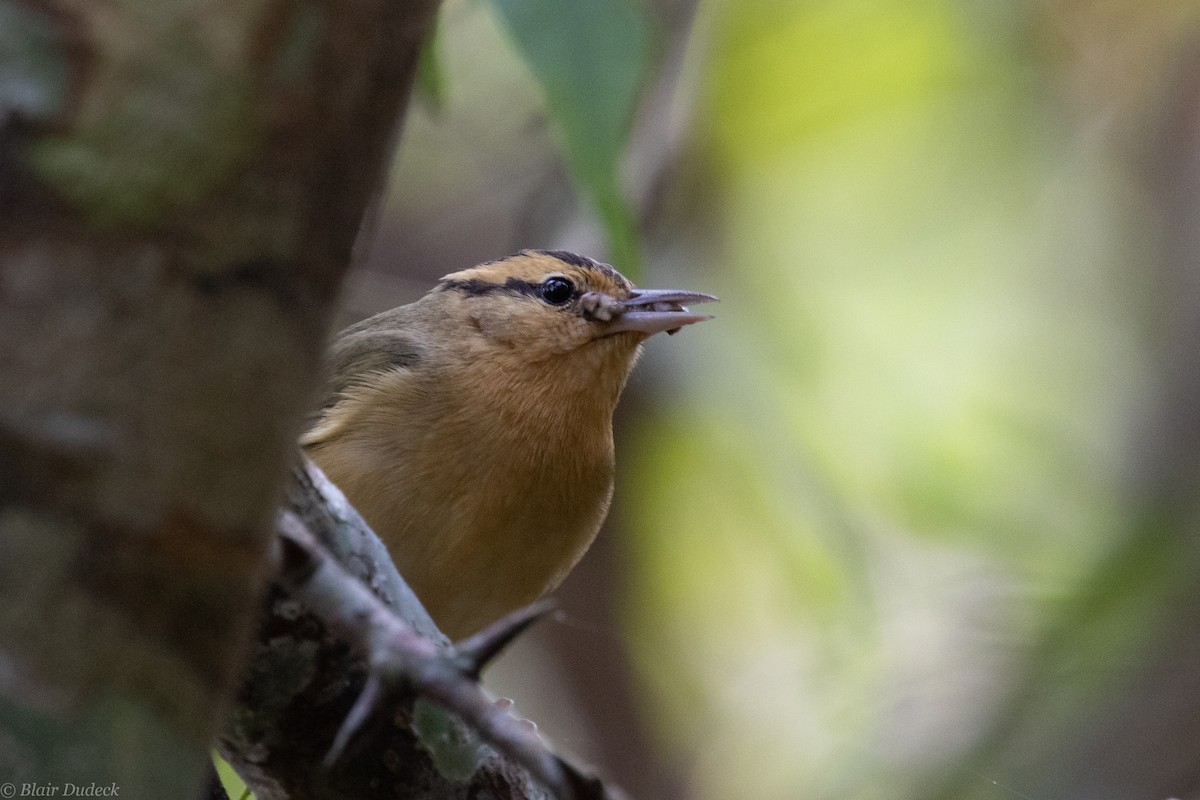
<point x="180" y="188"/>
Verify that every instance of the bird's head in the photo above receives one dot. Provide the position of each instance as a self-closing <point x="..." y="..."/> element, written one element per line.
<point x="547" y="303"/>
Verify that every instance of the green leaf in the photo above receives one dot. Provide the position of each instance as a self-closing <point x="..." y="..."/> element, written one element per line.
<point x="590" y="57"/>
<point x="231" y="782"/>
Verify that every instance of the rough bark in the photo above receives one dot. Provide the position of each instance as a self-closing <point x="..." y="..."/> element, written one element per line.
<point x="180" y="188"/>
<point x="308" y="672"/>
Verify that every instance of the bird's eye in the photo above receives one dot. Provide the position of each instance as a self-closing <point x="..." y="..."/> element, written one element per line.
<point x="557" y="291"/>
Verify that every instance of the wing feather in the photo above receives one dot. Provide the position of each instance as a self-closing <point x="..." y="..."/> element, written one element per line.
<point x="378" y="344"/>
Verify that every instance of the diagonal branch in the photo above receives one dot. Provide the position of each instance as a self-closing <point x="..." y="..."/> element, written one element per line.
<point x="335" y="587"/>
<point x="399" y="656"/>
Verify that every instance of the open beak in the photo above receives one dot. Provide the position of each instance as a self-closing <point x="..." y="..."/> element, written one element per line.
<point x="652" y="311"/>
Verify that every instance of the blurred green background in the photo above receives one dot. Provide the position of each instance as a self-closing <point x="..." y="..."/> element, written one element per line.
<point x="915" y="516"/>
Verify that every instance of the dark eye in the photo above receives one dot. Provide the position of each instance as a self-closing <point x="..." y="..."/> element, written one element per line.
<point x="557" y="291"/>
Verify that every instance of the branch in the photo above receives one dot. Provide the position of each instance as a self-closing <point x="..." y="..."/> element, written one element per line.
<point x="397" y="660"/>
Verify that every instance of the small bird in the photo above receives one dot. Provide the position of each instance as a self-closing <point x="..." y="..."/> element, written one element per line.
<point x="472" y="429"/>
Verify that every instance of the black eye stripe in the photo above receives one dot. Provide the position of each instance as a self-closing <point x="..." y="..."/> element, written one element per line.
<point x="476" y="287"/>
<point x="556" y="290"/>
<point x="518" y="286"/>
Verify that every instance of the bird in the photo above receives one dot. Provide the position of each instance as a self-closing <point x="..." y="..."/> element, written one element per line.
<point x="472" y="429"/>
